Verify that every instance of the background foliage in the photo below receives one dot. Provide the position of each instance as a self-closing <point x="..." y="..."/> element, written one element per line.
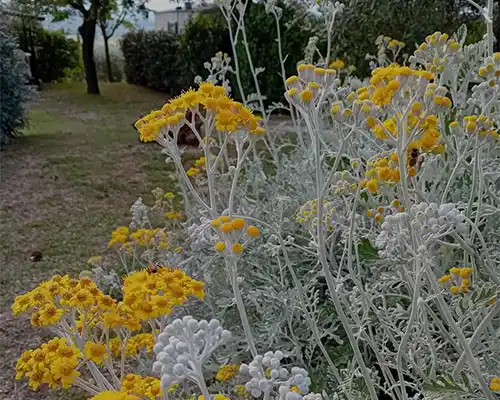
<point x="13" y="89"/>
<point x="205" y="35"/>
<point x="296" y="29"/>
<point x="363" y="21"/>
<point x="55" y="52"/>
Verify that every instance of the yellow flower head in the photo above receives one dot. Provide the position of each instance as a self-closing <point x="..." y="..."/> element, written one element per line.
<point x="337" y="64"/>
<point x="226" y="372"/>
<point x="95" y="352"/>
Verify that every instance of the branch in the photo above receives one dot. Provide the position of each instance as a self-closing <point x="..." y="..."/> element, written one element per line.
<point x="119" y="21"/>
<point x="78" y="5"/>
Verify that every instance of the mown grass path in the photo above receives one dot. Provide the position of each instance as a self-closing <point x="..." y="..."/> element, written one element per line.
<point x="65" y="185"/>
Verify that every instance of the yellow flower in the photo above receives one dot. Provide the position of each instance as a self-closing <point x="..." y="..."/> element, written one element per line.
<point x="95" y="352"/>
<point x="253" y="231"/>
<point x="226" y="227"/>
<point x="193" y="171"/>
<point x="238" y="223"/>
<point x="226" y="372"/>
<point x="65" y="370"/>
<point x="82" y="298"/>
<point x="444" y="279"/>
<point x="306" y="96"/>
<point x="220" y="246"/>
<point x="49" y="315"/>
<point x="495" y="384"/>
<point x="292" y="79"/>
<point x="237" y="248"/>
<point x="372" y="185"/>
<point x="337" y="64"/>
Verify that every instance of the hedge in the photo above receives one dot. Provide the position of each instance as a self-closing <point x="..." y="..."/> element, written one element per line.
<point x="13" y="89"/>
<point x="152" y="60"/>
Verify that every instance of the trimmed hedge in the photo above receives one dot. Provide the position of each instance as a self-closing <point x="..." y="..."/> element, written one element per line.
<point x="152" y="60"/>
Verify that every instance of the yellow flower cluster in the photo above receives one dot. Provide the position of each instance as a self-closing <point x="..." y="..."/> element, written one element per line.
<point x="305" y="87"/>
<point x="51" y="299"/>
<point x="307" y="214"/>
<point x="395" y="44"/>
<point x="427" y="128"/>
<point x="381" y="169"/>
<point x="241" y="392"/>
<point x="54" y="363"/>
<point x="110" y="395"/>
<point x="438" y="48"/>
<point x="386" y="82"/>
<point x="378" y="214"/>
<point x="120" y="316"/>
<point x="119" y="236"/>
<point x="481" y="126"/>
<point x="231" y="232"/>
<point x="227" y="372"/>
<point x="135" y="344"/>
<point x="229" y="115"/>
<point x="458" y="279"/>
<point x="151" y="295"/>
<point x="141" y="237"/>
<point x="490" y="71"/>
<point x="173" y="214"/>
<point x="143" y="386"/>
<point x="495" y="384"/>
<point x="199" y="166"/>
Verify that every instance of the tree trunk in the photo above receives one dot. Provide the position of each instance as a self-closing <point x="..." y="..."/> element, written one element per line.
<point x="87" y="31"/>
<point x="108" y="60"/>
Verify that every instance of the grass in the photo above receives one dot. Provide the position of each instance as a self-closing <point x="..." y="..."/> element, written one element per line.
<point x="65" y="185"/>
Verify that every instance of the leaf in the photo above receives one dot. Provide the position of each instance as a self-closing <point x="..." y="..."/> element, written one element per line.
<point x="442" y="384"/>
<point x="59" y="15"/>
<point x="366" y="251"/>
<point x="461" y="34"/>
<point x="128" y="24"/>
<point x="259" y="70"/>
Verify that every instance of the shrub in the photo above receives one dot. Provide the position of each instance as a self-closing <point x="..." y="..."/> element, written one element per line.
<point x="152" y="60"/>
<point x="13" y="89"/>
<point x="55" y="53"/>
<point x="205" y="35"/>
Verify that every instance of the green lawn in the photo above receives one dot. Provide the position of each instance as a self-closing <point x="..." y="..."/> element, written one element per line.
<point x="65" y="185"/>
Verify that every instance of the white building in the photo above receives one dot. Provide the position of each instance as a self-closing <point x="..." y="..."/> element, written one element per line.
<point x="174" y="20"/>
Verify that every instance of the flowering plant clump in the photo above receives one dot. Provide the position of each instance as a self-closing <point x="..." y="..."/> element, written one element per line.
<point x="357" y="257"/>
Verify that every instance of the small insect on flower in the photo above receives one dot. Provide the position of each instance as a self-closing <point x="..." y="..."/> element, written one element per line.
<point x="153" y="267"/>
